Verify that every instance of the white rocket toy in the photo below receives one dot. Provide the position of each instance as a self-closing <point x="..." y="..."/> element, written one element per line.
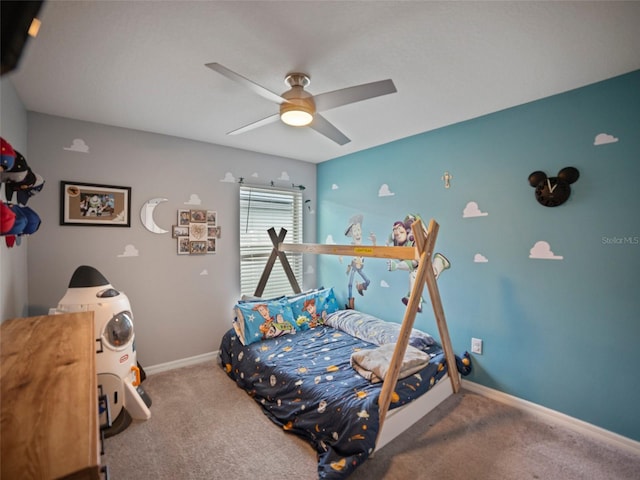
<point x="119" y="374"/>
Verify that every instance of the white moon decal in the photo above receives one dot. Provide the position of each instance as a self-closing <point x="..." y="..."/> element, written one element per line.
<point x="146" y="215"/>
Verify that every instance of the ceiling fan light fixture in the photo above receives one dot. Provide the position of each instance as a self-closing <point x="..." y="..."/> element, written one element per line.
<point x="296" y="116"/>
<point x="299" y="108"/>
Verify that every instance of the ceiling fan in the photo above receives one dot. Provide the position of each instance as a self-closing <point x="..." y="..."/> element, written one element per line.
<point x="299" y="108"/>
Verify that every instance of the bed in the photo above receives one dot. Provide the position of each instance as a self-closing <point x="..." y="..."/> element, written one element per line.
<point x="344" y="380"/>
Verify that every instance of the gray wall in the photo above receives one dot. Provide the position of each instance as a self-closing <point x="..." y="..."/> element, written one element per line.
<point x="181" y="303"/>
<point x="14" y="292"/>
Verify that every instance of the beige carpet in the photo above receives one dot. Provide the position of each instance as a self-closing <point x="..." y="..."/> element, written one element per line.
<point x="204" y="427"/>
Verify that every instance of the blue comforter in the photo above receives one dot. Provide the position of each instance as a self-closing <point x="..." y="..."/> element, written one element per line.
<point x="305" y="383"/>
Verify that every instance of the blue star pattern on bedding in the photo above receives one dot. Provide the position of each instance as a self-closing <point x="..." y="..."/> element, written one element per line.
<point x="306" y="385"/>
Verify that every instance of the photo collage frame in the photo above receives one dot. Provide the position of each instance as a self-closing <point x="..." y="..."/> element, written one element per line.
<point x="196" y="232"/>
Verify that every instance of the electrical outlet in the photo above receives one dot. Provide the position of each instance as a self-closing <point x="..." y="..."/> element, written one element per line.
<point x="476" y="346"/>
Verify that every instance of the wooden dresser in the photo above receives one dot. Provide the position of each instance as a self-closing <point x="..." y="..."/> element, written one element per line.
<point x="49" y="398"/>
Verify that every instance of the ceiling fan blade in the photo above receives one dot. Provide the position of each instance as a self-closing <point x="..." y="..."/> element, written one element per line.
<point x="323" y="126"/>
<point x="260" y="123"/>
<point x="260" y="90"/>
<point x="344" y="96"/>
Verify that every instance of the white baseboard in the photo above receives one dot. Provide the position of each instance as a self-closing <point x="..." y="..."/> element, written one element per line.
<point x="183" y="362"/>
<point x="553" y="416"/>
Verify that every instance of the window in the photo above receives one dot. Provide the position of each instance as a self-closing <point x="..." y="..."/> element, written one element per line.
<point x="260" y="209"/>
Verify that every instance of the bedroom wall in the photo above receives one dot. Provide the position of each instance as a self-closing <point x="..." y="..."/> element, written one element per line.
<point x="14" y="290"/>
<point x="560" y="330"/>
<point x="181" y="303"/>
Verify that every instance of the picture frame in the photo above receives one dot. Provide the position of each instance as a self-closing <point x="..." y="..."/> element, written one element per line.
<point x="198" y="247"/>
<point x="180" y="231"/>
<point x="95" y="205"/>
<point x="198" y="216"/>
<point x="183" y="246"/>
<point x="211" y="245"/>
<point x="196" y="231"/>
<point x="184" y="217"/>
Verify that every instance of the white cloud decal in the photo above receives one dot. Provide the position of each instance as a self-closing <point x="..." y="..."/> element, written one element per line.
<point x="329" y="240"/>
<point x="543" y="251"/>
<point x="479" y="258"/>
<point x="78" y="145"/>
<point x="129" y="251"/>
<point x="384" y="191"/>
<point x="472" y="210"/>
<point x="284" y="176"/>
<point x="228" y="178"/>
<point x="204" y="272"/>
<point x="384" y="284"/>
<point x="194" y="199"/>
<point x="334" y="187"/>
<point x="604" y="138"/>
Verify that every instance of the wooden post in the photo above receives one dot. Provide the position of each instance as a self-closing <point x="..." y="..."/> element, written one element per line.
<point x="391" y="378"/>
<point x="276" y="253"/>
<point x="424" y="249"/>
<point x="438" y="310"/>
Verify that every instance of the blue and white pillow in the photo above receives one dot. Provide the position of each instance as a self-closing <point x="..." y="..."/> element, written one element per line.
<point x="375" y="330"/>
<point x="311" y="309"/>
<point x="260" y="320"/>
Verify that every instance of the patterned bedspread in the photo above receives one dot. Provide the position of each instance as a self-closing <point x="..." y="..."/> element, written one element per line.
<point x="305" y="383"/>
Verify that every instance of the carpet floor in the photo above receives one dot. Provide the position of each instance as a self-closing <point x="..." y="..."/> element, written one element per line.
<point x="203" y="426"/>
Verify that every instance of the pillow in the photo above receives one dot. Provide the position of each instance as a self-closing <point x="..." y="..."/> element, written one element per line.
<point x="374" y="330"/>
<point x="311" y="309"/>
<point x="257" y="321"/>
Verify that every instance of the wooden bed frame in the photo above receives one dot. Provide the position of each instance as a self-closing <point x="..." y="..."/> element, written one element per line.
<point x="399" y="419"/>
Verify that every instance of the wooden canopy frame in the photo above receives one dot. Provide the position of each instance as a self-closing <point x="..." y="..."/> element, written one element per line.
<point x="423" y="251"/>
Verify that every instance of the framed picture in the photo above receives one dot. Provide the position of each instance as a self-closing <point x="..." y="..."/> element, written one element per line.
<point x="184" y="218"/>
<point x="198" y="216"/>
<point x="180" y="231"/>
<point x="198" y="247"/>
<point x="212" y="217"/>
<point x="88" y="204"/>
<point x="183" y="246"/>
<point x="211" y="245"/>
<point x="197" y="232"/>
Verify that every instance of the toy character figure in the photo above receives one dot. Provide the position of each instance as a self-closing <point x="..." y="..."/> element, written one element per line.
<point x="354" y="230"/>
<point x="271" y="327"/>
<point x="93" y="206"/>
<point x="402" y="236"/>
<point x="316" y="318"/>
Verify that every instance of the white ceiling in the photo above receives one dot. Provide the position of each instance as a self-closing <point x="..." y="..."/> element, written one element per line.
<point x="140" y="64"/>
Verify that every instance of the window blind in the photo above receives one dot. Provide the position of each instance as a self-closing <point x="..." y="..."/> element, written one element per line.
<point x="260" y="209"/>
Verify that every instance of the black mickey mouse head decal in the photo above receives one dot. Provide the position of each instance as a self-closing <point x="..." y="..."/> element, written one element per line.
<point x="553" y="191"/>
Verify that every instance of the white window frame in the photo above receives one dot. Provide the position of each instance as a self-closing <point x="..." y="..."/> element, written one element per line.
<point x="260" y="209"/>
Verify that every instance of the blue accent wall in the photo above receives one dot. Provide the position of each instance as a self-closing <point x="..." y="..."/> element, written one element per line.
<point x="561" y="331"/>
